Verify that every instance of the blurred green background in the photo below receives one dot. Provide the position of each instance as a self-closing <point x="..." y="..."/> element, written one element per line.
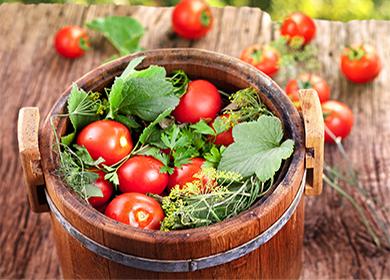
<point x="342" y="10"/>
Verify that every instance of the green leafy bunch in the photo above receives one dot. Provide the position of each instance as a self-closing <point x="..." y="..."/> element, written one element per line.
<point x="186" y="207"/>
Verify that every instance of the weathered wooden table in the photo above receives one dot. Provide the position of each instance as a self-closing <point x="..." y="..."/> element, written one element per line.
<point x="32" y="74"/>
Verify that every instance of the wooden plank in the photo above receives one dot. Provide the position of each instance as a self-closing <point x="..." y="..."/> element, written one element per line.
<point x="32" y="74"/>
<point x="336" y="243"/>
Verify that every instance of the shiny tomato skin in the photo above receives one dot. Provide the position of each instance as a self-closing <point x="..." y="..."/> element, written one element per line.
<point x="137" y="210"/>
<point x="338" y="118"/>
<point x="142" y="174"/>
<point x="107" y="189"/>
<point x="298" y="25"/>
<point x="265" y="58"/>
<point x="185" y="173"/>
<point x="360" y="68"/>
<point x="201" y="101"/>
<point x="192" y="19"/>
<point x="67" y="41"/>
<point x="225" y="138"/>
<point x="306" y="81"/>
<point x="108" y="139"/>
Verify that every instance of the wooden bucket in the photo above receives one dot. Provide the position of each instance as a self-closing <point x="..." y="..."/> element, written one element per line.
<point x="263" y="242"/>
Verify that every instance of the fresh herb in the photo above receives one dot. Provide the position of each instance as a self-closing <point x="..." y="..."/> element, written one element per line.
<point x="83" y="108"/>
<point x="257" y="149"/>
<point x="214" y="156"/>
<point x="180" y="82"/>
<point x="73" y="171"/>
<point x="145" y="94"/>
<point x="123" y="32"/>
<point x="200" y="204"/>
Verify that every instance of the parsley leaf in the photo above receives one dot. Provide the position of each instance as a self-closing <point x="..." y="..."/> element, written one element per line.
<point x="203" y="128"/>
<point x="123" y="32"/>
<point x="257" y="149"/>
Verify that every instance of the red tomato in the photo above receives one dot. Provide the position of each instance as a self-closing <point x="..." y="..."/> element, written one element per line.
<point x="69" y="43"/>
<point x="192" y="19"/>
<point x="307" y="81"/>
<point x="137" y="210"/>
<point x="225" y="138"/>
<point x="106" y="188"/>
<point x="201" y="101"/>
<point x="108" y="139"/>
<point x="265" y="58"/>
<point x="298" y="25"/>
<point x="338" y="119"/>
<point x="185" y="173"/>
<point x="142" y="174"/>
<point x="360" y="63"/>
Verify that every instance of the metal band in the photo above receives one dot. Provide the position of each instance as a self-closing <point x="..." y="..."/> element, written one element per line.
<point x="180" y="265"/>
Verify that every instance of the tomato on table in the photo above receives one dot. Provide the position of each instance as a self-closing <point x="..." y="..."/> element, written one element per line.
<point x="263" y="57"/>
<point x="142" y="174"/>
<point x="307" y="81"/>
<point x="192" y="19"/>
<point x="137" y="210"/>
<point x="298" y="26"/>
<point x="108" y="139"/>
<point x="338" y="119"/>
<point x="71" y="41"/>
<point x="360" y="63"/>
<point x="107" y="189"/>
<point x="201" y="101"/>
<point x="184" y="174"/>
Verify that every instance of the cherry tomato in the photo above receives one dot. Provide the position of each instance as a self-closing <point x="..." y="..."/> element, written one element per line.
<point x="225" y="138"/>
<point x="71" y="41"/>
<point x="265" y="58"/>
<point x="108" y="139"/>
<point x="142" y="174"/>
<point x="106" y="188"/>
<point x="360" y="63"/>
<point x="137" y="210"/>
<point x="185" y="173"/>
<point x="298" y="26"/>
<point x="307" y="81"/>
<point x="338" y="118"/>
<point x="192" y="19"/>
<point x="201" y="101"/>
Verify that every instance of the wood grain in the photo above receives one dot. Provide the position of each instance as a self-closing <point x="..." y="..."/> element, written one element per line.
<point x="32" y="74"/>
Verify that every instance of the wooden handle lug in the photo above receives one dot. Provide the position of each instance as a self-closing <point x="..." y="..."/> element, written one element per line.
<point x="28" y="127"/>
<point x="314" y="140"/>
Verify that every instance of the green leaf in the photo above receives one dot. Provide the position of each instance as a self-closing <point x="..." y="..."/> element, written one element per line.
<point x="130" y="68"/>
<point x="203" y="128"/>
<point x="84" y="155"/>
<point x="148" y="131"/>
<point x="93" y="191"/>
<point x="68" y="139"/>
<point x="81" y="108"/>
<point x="213" y="157"/>
<point x="127" y="121"/>
<point x="145" y="94"/>
<point x="112" y="177"/>
<point x="257" y="149"/>
<point x="123" y="32"/>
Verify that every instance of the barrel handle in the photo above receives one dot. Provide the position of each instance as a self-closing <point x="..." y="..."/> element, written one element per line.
<point x="314" y="140"/>
<point x="30" y="157"/>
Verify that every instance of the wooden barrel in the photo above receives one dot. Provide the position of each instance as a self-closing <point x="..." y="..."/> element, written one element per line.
<point x="263" y="242"/>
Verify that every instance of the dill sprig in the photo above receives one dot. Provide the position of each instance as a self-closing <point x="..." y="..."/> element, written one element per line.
<point x="196" y="204"/>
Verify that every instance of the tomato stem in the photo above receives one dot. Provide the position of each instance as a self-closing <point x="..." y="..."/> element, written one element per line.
<point x="205" y="18"/>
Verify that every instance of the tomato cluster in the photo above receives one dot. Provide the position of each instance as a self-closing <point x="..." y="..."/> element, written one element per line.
<point x="358" y="63"/>
<point x="139" y="175"/>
